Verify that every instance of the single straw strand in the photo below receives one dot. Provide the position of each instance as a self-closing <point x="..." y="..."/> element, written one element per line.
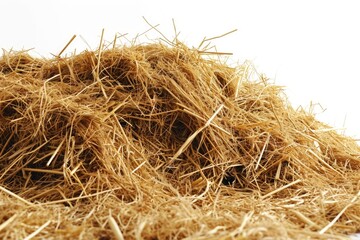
<point x="42" y="227"/>
<point x="282" y="188"/>
<point x="16" y="196"/>
<point x="8" y="222"/>
<point x="66" y="46"/>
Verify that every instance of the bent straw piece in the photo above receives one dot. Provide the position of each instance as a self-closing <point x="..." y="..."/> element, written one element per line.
<point x="192" y="136"/>
<point x="16" y="196"/>
<point x="157" y="30"/>
<point x="327" y="227"/>
<point x="216" y="37"/>
<point x="42" y="227"/>
<point x="201" y="118"/>
<point x="200" y="196"/>
<point x="115" y="228"/>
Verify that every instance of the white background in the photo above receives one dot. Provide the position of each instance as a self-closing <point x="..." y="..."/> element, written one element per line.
<point x="310" y="47"/>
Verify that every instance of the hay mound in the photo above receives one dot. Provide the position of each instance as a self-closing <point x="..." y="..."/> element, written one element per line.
<point x="158" y="142"/>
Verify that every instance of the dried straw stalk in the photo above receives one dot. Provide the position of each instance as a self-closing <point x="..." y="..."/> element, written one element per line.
<point x="173" y="143"/>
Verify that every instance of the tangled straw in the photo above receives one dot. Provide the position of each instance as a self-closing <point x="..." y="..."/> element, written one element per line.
<point x="159" y="142"/>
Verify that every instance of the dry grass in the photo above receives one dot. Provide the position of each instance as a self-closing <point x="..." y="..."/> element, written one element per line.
<point x="156" y="141"/>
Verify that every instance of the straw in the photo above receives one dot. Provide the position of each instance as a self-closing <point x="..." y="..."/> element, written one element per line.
<point x="115" y="228"/>
<point x="173" y="140"/>
<point x="32" y="235"/>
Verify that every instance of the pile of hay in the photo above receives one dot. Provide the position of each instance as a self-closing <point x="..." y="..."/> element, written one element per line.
<point x="156" y="141"/>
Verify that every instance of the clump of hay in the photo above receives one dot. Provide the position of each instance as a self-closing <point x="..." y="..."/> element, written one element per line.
<point x="156" y="141"/>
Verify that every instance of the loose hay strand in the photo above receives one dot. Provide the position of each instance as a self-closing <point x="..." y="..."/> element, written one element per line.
<point x="16" y="196"/>
<point x="281" y="188"/>
<point x="8" y="222"/>
<point x="42" y="227"/>
<point x="67" y="45"/>
<point x="55" y="152"/>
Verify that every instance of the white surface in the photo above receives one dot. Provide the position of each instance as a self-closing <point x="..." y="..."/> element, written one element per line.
<point x="311" y="47"/>
<point x="355" y="237"/>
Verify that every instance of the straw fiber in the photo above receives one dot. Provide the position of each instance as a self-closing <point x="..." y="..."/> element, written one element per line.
<point x="160" y="141"/>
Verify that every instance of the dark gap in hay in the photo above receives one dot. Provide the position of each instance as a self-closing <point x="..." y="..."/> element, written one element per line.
<point x="11" y="110"/>
<point x="234" y="176"/>
<point x="34" y="169"/>
<point x="118" y="70"/>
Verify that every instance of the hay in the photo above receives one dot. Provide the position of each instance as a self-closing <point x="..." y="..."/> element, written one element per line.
<point x="157" y="141"/>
